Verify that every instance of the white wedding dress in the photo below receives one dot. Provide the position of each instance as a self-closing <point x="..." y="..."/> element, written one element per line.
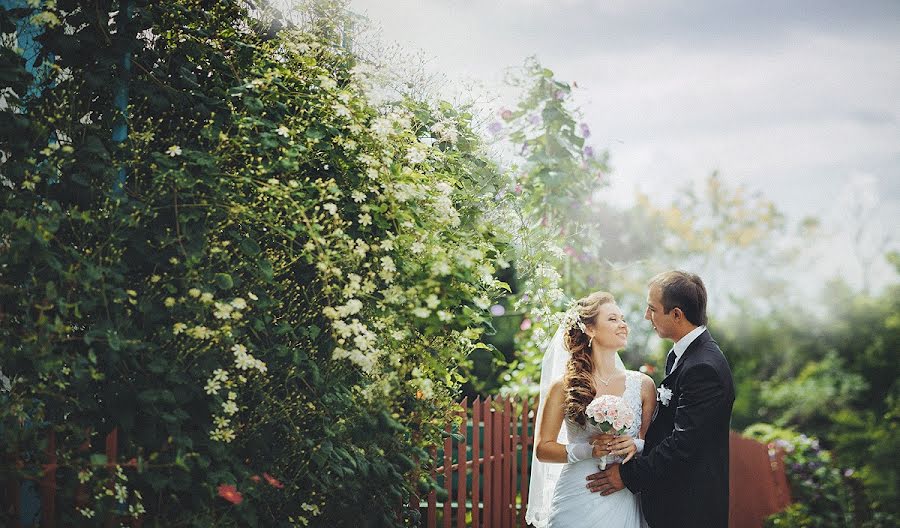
<point x="573" y="505"/>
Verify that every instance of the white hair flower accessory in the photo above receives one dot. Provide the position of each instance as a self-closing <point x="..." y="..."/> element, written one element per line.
<point x="572" y="319"/>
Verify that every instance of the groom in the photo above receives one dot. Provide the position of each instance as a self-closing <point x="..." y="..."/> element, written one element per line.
<point x="682" y="474"/>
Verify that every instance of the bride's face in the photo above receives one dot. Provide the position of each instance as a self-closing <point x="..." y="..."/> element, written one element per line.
<point x="610" y="328"/>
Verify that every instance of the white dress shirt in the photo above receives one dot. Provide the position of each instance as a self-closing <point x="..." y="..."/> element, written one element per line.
<point x="684" y="342"/>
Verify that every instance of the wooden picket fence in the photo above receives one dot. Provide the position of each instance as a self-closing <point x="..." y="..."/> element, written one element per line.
<point x="47" y="511"/>
<point x="486" y="473"/>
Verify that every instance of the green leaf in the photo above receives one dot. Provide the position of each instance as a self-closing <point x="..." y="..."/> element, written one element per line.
<point x="265" y="267"/>
<point x="50" y="290"/>
<point x="314" y="132"/>
<point x="249" y="246"/>
<point x="113" y="340"/>
<point x="224" y="281"/>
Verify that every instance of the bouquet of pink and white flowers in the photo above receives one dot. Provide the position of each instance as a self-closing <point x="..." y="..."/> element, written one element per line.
<point x="611" y="414"/>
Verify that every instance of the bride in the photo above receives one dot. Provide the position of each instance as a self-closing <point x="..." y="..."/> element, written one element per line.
<point x="581" y="363"/>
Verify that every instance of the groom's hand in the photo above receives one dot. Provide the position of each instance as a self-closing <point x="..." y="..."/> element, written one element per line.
<point x="606" y="482"/>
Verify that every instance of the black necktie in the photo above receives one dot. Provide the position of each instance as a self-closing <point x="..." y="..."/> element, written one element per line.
<point x="670" y="361"/>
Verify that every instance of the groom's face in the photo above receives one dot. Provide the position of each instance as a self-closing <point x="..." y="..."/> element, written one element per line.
<point x="662" y="322"/>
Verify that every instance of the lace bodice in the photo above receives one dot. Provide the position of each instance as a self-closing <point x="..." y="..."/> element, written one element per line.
<point x="632" y="396"/>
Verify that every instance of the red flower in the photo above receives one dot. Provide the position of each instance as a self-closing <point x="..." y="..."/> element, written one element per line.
<point x="272" y="481"/>
<point x="230" y="493"/>
<point x="254" y="478"/>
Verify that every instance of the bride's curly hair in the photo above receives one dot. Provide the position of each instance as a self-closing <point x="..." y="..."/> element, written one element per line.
<point x="579" y="379"/>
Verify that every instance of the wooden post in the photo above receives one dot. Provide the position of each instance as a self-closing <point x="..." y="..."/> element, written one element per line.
<point x="496" y="469"/>
<point x="504" y="454"/>
<point x="511" y="465"/>
<point x="488" y="462"/>
<point x="432" y="495"/>
<point x="476" y="461"/>
<point x="48" y="485"/>
<point x="112" y="455"/>
<point x="526" y="439"/>
<point x="461" y="469"/>
<point x="448" y="476"/>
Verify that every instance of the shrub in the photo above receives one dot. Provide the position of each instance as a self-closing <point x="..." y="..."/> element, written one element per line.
<point x="273" y="308"/>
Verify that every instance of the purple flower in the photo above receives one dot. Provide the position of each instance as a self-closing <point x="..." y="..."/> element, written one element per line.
<point x="497" y="310"/>
<point x="495" y="127"/>
<point x="535" y="119"/>
<point x="848" y="472"/>
<point x="588" y="152"/>
<point x="585" y="130"/>
<point x="559" y="94"/>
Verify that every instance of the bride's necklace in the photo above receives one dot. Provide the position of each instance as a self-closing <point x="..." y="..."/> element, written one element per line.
<point x="604" y="381"/>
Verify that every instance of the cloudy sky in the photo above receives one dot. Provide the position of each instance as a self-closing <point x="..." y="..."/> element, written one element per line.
<point x="799" y="100"/>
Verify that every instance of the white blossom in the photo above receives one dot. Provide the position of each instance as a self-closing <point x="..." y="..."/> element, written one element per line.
<point x="327" y="82"/>
<point x="382" y="126"/>
<point x="239" y="303"/>
<point x="342" y="110"/>
<point x="432" y="301"/>
<point x="223" y="311"/>
<point x="416" y="155"/>
<point x="213" y="386"/>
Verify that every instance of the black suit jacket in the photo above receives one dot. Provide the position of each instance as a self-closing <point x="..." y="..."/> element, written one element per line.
<point x="682" y="474"/>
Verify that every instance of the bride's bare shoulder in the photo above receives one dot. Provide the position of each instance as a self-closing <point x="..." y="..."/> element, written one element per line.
<point x="558" y="388"/>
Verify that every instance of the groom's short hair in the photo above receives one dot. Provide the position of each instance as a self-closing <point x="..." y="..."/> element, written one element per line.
<point x="680" y="289"/>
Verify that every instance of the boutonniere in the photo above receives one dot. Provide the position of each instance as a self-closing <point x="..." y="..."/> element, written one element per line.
<point x="663" y="395"/>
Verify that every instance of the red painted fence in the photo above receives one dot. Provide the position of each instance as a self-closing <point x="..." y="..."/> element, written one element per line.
<point x="487" y="480"/>
<point x="11" y="500"/>
<point x="486" y="474"/>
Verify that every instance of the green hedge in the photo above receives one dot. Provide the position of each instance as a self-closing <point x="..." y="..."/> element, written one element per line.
<point x="278" y="301"/>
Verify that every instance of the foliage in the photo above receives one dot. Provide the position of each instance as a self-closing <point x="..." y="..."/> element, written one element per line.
<point x="554" y="176"/>
<point x="719" y="231"/>
<point x="287" y="284"/>
<point x="819" y="489"/>
<point x="833" y="376"/>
